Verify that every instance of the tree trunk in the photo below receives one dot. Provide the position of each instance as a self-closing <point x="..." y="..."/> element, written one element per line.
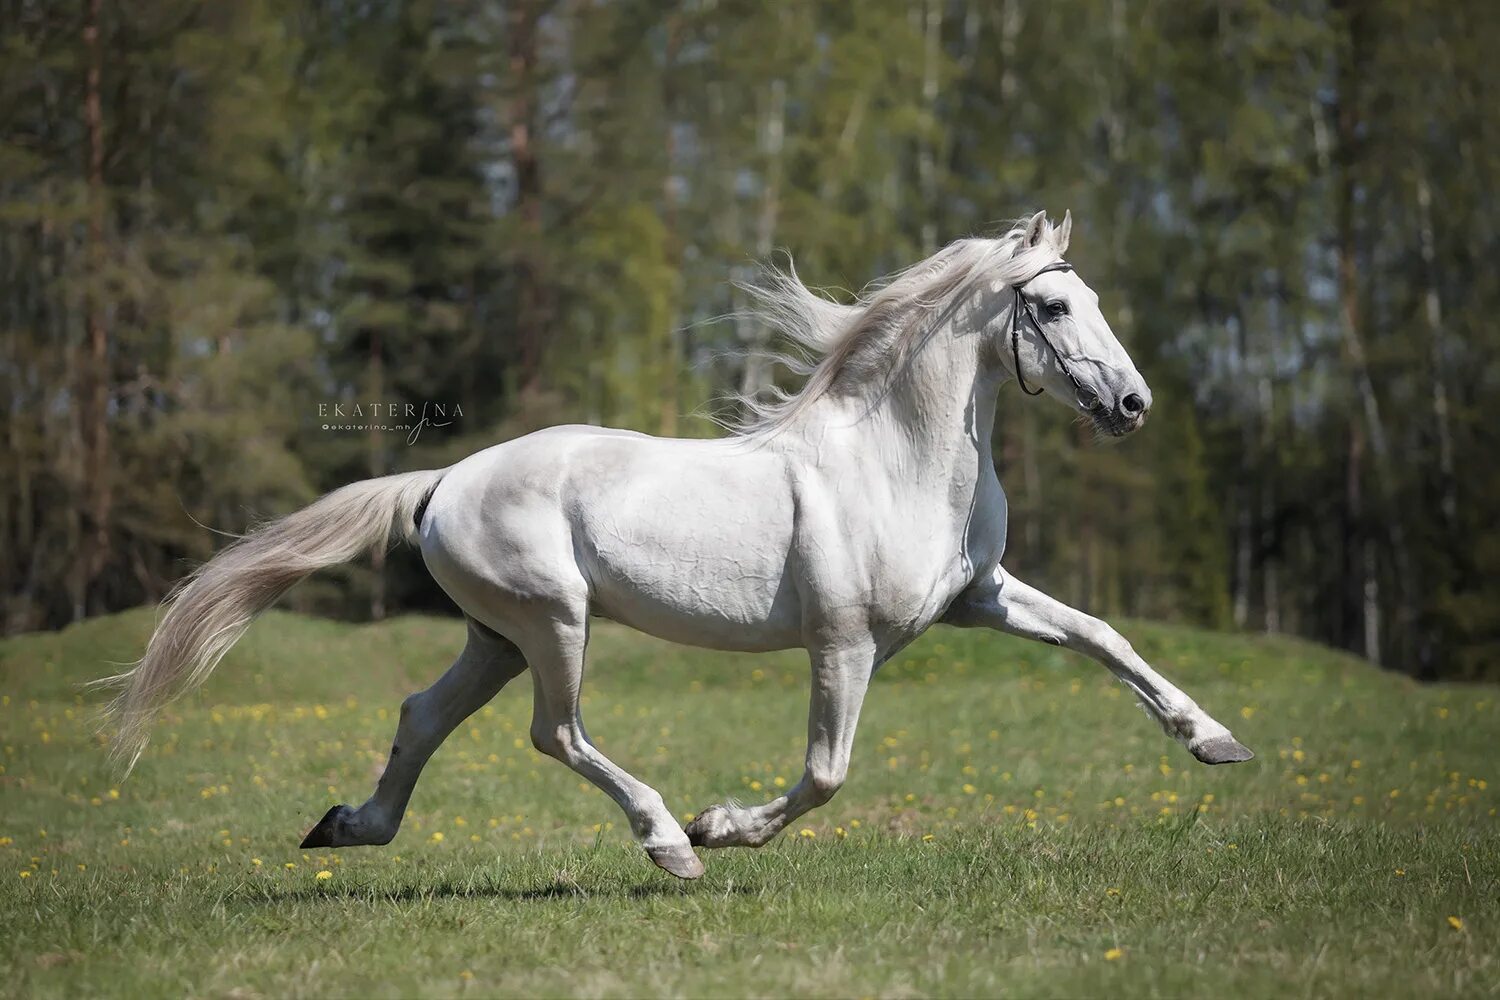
<point x="377" y="468"/>
<point x="94" y="394"/>
<point x="1432" y="304"/>
<point x="932" y="50"/>
<point x="1010" y="31"/>
<point x="1348" y="151"/>
<point x="1269" y="543"/>
<point x="532" y="304"/>
<point x="772" y="139"/>
<point x="671" y="381"/>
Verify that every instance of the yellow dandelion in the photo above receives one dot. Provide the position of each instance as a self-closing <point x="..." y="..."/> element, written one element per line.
<point x="1456" y="923"/>
<point x="1114" y="954"/>
<point x="290" y="865"/>
<point x="840" y="832"/>
<point x="437" y="836"/>
<point x="1400" y="872"/>
<point x="255" y="862"/>
<point x="970" y="789"/>
<point x="26" y="874"/>
<point x="466" y="975"/>
<point x="324" y="875"/>
<point x="779" y="782"/>
<point x="927" y="838"/>
<point x="806" y="833"/>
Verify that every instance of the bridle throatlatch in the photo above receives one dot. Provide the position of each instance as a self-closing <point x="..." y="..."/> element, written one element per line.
<point x="1084" y="392"/>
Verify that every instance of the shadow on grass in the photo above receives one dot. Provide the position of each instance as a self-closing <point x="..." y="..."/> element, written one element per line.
<point x="261" y="895"/>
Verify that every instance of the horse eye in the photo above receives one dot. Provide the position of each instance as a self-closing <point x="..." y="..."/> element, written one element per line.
<point x="1056" y="309"/>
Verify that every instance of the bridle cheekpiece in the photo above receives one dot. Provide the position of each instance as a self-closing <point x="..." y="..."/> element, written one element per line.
<point x="1022" y="306"/>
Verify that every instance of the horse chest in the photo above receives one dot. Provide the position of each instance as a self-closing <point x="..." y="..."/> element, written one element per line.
<point x="908" y="589"/>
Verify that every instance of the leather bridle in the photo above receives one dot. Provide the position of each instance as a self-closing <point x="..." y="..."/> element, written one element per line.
<point x="1084" y="392"/>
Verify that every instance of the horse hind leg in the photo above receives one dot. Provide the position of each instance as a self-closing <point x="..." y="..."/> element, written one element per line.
<point x="487" y="663"/>
<point x="555" y="648"/>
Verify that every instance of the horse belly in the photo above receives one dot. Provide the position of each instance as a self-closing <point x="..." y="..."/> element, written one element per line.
<point x="690" y="558"/>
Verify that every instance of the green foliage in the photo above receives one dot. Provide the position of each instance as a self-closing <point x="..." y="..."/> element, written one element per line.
<point x="536" y="210"/>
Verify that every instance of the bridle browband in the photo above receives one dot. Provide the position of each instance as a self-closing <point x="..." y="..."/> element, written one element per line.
<point x="1015" y="337"/>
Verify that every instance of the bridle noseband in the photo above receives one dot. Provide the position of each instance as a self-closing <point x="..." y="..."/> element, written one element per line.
<point x="1015" y="337"/>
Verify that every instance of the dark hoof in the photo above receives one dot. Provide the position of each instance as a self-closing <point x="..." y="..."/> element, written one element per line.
<point x="679" y="860"/>
<point x="1222" y="750"/>
<point x="322" y="834"/>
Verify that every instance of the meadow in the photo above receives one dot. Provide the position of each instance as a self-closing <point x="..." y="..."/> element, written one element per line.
<point x="1013" y="824"/>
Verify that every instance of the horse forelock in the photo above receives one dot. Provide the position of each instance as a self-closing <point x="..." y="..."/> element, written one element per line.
<point x="844" y="347"/>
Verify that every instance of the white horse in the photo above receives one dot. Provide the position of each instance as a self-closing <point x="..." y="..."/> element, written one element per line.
<point x="845" y="519"/>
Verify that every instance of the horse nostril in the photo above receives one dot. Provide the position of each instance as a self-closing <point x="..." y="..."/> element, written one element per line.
<point x="1132" y="404"/>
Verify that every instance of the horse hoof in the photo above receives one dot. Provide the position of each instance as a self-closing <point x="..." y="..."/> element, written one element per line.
<point x="322" y="834"/>
<point x="677" y="860"/>
<point x="1222" y="750"/>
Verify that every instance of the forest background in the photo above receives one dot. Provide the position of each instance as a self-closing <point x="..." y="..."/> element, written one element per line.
<point x="221" y="225"/>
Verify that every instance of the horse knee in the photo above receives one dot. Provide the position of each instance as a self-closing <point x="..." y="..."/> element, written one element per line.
<point x="1100" y="635"/>
<point x="553" y="739"/>
<point x="824" y="783"/>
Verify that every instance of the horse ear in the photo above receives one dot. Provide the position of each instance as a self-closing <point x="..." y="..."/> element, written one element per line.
<point x="1035" y="230"/>
<point x="1060" y="238"/>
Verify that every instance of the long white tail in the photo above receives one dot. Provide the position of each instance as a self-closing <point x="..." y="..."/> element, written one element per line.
<point x="208" y="612"/>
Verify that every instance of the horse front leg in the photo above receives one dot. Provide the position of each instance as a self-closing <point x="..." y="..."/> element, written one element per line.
<point x="840" y="678"/>
<point x="1004" y="603"/>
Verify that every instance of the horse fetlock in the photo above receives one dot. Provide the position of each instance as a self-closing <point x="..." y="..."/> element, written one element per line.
<point x="1183" y="725"/>
<point x="713" y="827"/>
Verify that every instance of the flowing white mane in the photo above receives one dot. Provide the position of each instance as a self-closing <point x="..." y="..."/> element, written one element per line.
<point x="844" y="348"/>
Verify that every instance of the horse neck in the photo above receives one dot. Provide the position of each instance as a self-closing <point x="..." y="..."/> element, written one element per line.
<point x="933" y="419"/>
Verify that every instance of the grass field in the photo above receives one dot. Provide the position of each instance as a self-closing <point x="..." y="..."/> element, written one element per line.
<point x="1013" y="824"/>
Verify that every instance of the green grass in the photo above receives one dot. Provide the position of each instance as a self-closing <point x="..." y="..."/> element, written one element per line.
<point x="1013" y="824"/>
